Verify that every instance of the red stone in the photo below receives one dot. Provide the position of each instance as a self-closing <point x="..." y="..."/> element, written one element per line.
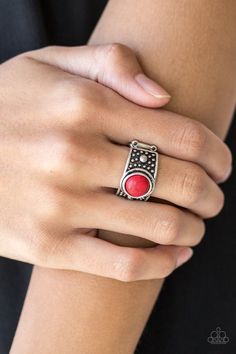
<point x="137" y="185"/>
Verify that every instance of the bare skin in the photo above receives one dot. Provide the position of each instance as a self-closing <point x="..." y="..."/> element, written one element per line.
<point x="53" y="154"/>
<point x="68" y="312"/>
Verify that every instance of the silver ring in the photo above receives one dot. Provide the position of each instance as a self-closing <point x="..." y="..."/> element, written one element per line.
<point x="140" y="173"/>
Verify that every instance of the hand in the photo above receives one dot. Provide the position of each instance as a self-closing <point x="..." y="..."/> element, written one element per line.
<point x="63" y="148"/>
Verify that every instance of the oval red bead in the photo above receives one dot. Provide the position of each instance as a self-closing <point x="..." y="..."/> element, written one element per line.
<point x="137" y="185"/>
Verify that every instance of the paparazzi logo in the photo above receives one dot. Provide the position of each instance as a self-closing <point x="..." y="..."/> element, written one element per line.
<point x="218" y="337"/>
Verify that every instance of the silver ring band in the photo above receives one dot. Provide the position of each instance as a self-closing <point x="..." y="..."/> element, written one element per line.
<point x="140" y="173"/>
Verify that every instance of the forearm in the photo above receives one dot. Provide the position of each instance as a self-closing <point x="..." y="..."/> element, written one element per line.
<point x="189" y="48"/>
<point x="69" y="312"/>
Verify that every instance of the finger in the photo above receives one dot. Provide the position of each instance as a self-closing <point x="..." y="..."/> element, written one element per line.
<point x="92" y="255"/>
<point x="174" y="135"/>
<point x="179" y="182"/>
<point x="160" y="223"/>
<point x="114" y="66"/>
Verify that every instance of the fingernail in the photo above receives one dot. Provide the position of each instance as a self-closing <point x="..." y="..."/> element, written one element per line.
<point x="151" y="87"/>
<point x="184" y="255"/>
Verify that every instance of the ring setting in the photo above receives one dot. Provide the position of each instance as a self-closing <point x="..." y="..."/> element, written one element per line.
<point x="139" y="177"/>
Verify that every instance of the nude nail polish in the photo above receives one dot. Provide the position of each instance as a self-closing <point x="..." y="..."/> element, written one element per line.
<point x="151" y="87"/>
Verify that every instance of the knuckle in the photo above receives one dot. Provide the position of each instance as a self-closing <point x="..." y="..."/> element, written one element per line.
<point x="168" y="228"/>
<point x="192" y="139"/>
<point x="66" y="149"/>
<point x="75" y="102"/>
<point x="167" y="266"/>
<point x="71" y="95"/>
<point x="91" y="158"/>
<point x="116" y="52"/>
<point x="115" y="58"/>
<point x="59" y="159"/>
<point x="193" y="185"/>
<point x="128" y="266"/>
<point x="72" y="101"/>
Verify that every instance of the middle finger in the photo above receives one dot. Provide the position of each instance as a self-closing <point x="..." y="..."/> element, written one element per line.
<point x="180" y="182"/>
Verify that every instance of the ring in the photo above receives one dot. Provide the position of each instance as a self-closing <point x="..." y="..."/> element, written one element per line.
<point x="140" y="173"/>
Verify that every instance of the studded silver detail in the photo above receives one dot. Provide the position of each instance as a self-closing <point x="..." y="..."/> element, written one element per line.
<point x="142" y="160"/>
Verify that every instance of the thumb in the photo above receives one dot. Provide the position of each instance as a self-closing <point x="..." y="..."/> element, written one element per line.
<point x="113" y="65"/>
